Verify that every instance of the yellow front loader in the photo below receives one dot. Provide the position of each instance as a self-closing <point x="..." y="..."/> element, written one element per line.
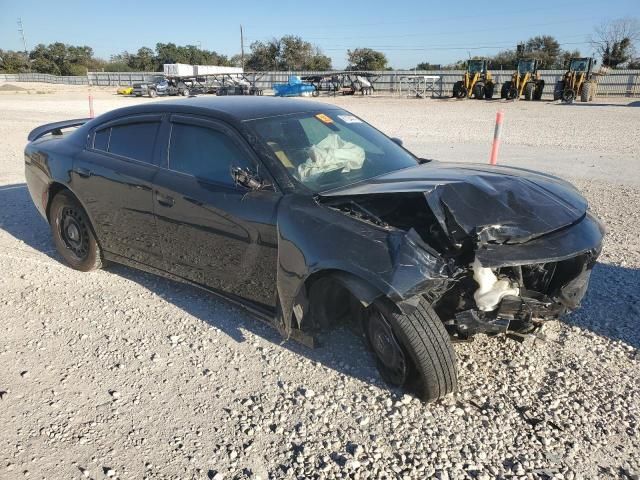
<point x="477" y="82"/>
<point x="524" y="81"/>
<point x="578" y="81"/>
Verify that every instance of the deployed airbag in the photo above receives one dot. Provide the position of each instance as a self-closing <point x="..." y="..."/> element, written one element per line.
<point x="332" y="153"/>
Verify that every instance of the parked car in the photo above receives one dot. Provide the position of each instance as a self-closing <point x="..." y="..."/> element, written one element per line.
<point x="309" y="217"/>
<point x="160" y="85"/>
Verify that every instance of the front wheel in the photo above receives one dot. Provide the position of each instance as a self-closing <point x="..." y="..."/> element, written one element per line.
<point x="72" y="234"/>
<point x="488" y="91"/>
<point x="478" y="91"/>
<point x="413" y="350"/>
<point x="529" y="89"/>
<point x="152" y="92"/>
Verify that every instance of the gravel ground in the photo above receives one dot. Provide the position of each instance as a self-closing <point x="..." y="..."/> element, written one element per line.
<point x="120" y="374"/>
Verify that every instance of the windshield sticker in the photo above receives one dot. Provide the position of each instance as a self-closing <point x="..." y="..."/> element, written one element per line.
<point x="323" y="118"/>
<point x="349" y="119"/>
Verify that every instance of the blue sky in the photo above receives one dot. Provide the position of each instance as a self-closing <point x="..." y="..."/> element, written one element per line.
<point x="407" y="32"/>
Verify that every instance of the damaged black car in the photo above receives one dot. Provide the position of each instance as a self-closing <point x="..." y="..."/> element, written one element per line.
<point x="311" y="218"/>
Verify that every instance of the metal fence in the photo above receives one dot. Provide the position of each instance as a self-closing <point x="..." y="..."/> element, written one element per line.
<point x="617" y="83"/>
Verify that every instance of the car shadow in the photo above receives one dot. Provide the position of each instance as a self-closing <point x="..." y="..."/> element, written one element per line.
<point x="339" y="350"/>
<point x="611" y="307"/>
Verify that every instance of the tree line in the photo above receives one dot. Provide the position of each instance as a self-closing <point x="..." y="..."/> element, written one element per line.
<point x="613" y="41"/>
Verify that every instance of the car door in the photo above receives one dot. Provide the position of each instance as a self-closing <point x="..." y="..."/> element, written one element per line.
<point x="213" y="231"/>
<point x="113" y="177"/>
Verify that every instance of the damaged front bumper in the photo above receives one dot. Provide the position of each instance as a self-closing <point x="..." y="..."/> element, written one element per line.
<point x="532" y="282"/>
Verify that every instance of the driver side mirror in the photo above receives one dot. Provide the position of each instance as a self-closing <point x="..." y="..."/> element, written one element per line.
<point x="248" y="179"/>
<point x="396" y="140"/>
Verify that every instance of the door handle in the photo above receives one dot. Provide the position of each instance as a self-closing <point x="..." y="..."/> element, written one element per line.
<point x="83" y="172"/>
<point x="165" y="200"/>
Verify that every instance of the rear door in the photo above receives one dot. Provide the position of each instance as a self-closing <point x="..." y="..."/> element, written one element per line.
<point x="113" y="176"/>
<point x="213" y="231"/>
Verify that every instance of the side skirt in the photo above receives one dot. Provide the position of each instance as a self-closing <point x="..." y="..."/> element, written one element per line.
<point x="261" y="313"/>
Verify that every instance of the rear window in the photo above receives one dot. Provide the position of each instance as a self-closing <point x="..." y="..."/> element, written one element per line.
<point x="131" y="140"/>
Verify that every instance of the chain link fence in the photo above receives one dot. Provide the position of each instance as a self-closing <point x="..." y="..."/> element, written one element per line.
<point x="616" y="83"/>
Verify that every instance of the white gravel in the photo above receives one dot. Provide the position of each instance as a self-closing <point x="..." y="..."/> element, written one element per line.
<point x="120" y="374"/>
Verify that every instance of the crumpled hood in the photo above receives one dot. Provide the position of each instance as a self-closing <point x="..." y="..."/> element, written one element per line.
<point x="488" y="203"/>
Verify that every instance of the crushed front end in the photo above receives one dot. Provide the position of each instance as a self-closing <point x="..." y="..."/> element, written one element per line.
<point x="509" y="249"/>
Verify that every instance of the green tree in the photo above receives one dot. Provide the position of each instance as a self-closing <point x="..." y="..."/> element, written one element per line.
<point x="428" y="66"/>
<point x="286" y="53"/>
<point x="13" y="62"/>
<point x="366" y="59"/>
<point x="61" y="59"/>
<point x="546" y="49"/>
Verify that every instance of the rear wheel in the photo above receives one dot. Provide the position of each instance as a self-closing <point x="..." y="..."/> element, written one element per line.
<point x="459" y="90"/>
<point x="72" y="233"/>
<point x="586" y="95"/>
<point x="478" y="91"/>
<point x="413" y="350"/>
<point x="152" y="92"/>
<point x="504" y="91"/>
<point x="529" y="88"/>
<point x="557" y="91"/>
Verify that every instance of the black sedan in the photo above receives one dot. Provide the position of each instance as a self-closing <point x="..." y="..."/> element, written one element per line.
<point x="309" y="217"/>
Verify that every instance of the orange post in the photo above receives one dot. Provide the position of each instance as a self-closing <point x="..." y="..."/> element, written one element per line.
<point x="493" y="159"/>
<point x="90" y="105"/>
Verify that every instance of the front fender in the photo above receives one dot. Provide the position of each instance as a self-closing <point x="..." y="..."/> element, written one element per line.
<point x="371" y="260"/>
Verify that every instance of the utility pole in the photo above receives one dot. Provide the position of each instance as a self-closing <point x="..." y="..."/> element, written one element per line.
<point x="241" y="48"/>
<point x="21" y="32"/>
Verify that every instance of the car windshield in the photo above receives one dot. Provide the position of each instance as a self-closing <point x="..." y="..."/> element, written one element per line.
<point x="332" y="149"/>
<point x="476" y="66"/>
<point x="578" y="65"/>
<point x="526" y="66"/>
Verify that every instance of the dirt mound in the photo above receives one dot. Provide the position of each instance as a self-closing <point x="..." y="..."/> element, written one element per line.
<point x="7" y="87"/>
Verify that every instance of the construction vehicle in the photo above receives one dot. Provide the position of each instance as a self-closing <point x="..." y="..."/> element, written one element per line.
<point x="477" y="82"/>
<point x="578" y="81"/>
<point x="524" y="81"/>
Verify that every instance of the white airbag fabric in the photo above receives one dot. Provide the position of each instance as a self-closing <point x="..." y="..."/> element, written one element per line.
<point x="332" y="153"/>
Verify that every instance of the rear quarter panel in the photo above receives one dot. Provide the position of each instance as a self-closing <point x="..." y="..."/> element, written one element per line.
<point x="47" y="161"/>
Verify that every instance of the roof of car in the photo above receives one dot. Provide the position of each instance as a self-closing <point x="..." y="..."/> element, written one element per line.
<point x="239" y="107"/>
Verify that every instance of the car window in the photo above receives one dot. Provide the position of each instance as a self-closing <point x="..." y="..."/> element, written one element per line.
<point x="205" y="153"/>
<point x="101" y="139"/>
<point x="134" y="140"/>
<point x="131" y="140"/>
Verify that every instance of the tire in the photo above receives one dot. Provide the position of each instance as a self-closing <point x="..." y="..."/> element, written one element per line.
<point x="73" y="234"/>
<point x="488" y="90"/>
<point x="185" y="92"/>
<point x="537" y="94"/>
<point x="504" y="91"/>
<point x="478" y="91"/>
<point x="568" y="95"/>
<point x="422" y="340"/>
<point x="458" y="90"/>
<point x="529" y="89"/>
<point x="152" y="93"/>
<point x="586" y="94"/>
<point x="557" y="90"/>
<point x="315" y="92"/>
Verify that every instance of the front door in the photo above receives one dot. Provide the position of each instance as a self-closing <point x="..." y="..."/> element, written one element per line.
<point x="212" y="231"/>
